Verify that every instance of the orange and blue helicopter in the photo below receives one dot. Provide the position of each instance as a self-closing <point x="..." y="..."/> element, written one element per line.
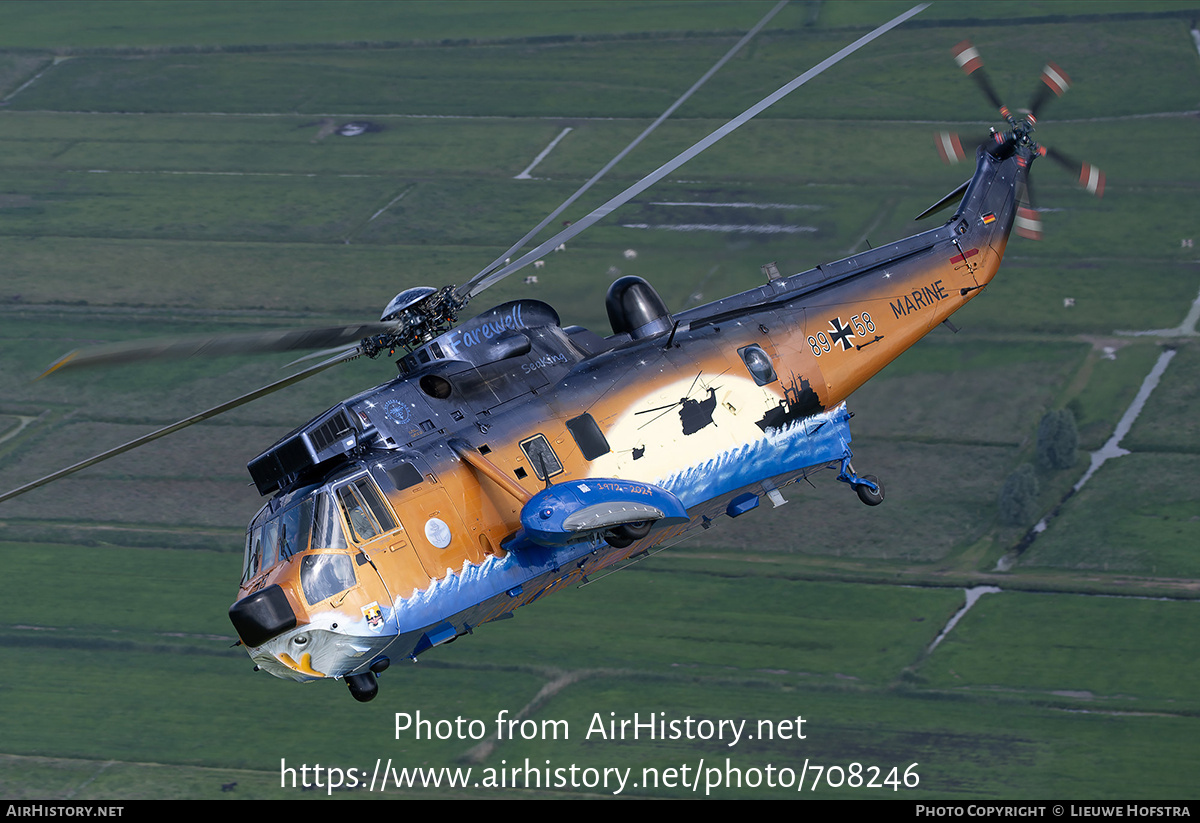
<point x="514" y="456"/>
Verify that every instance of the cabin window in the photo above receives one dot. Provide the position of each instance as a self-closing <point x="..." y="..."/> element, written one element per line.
<point x="366" y="513"/>
<point x="404" y="476"/>
<point x="758" y="363"/>
<point x="588" y="437"/>
<point x="324" y="575"/>
<point x="541" y="456"/>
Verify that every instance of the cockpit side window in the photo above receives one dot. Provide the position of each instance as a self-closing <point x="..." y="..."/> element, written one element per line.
<point x="366" y="513"/>
<point x="358" y="518"/>
<point x="253" y="555"/>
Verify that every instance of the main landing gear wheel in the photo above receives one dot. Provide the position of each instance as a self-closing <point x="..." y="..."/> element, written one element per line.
<point x="872" y="497"/>
<point x="627" y="534"/>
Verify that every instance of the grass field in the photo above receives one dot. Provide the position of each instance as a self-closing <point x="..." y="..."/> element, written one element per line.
<point x="174" y="168"/>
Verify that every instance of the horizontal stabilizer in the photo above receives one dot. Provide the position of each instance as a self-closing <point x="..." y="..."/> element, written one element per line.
<point x="952" y="197"/>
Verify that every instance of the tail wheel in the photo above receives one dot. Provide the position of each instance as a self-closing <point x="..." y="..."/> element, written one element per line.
<point x="872" y="497"/>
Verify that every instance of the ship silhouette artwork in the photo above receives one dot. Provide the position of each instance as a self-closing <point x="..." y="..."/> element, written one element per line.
<point x="799" y="401"/>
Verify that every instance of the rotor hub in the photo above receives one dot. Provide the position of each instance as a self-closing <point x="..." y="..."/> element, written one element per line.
<point x="420" y="314"/>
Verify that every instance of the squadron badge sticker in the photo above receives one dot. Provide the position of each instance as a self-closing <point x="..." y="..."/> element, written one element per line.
<point x="373" y="615"/>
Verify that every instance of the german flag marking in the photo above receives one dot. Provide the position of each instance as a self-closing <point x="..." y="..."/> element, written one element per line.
<point x="965" y="256"/>
<point x="989" y="219"/>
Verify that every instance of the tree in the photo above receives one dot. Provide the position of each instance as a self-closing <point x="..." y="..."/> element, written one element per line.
<point x="1018" y="498"/>
<point x="1057" y="440"/>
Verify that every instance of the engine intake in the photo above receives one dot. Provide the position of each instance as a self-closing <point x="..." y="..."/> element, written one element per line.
<point x="635" y="308"/>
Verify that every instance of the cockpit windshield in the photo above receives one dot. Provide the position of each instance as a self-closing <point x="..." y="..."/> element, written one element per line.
<point x="309" y="520"/>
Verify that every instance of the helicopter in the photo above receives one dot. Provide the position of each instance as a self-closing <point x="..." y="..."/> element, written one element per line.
<point x="513" y="456"/>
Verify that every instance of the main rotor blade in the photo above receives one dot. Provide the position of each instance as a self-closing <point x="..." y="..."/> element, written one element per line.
<point x="177" y="348"/>
<point x="716" y="67"/>
<point x="481" y="282"/>
<point x="182" y="424"/>
<point x="322" y="353"/>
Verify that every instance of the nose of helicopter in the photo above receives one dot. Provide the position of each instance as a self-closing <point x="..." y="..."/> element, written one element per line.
<point x="313" y="652"/>
<point x="288" y="640"/>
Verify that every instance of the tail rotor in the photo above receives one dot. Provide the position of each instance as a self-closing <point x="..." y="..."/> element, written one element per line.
<point x="1054" y="83"/>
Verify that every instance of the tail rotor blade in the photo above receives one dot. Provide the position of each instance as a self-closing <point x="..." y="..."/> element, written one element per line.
<point x="1089" y="176"/>
<point x="1028" y="223"/>
<point x="968" y="59"/>
<point x="1055" y="82"/>
<point x="949" y="147"/>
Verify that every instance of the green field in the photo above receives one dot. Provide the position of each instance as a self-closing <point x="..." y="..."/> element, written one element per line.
<point x="174" y="168"/>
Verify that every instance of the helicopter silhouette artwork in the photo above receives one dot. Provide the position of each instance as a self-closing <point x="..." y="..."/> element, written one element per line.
<point x="694" y="414"/>
<point x="513" y="456"/>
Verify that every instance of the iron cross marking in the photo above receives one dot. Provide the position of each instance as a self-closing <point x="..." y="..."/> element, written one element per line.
<point x="841" y="334"/>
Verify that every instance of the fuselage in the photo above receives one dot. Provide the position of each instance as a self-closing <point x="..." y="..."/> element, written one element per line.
<point x="396" y="522"/>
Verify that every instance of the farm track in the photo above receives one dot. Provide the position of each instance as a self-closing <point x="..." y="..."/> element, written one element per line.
<point x="951" y="573"/>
